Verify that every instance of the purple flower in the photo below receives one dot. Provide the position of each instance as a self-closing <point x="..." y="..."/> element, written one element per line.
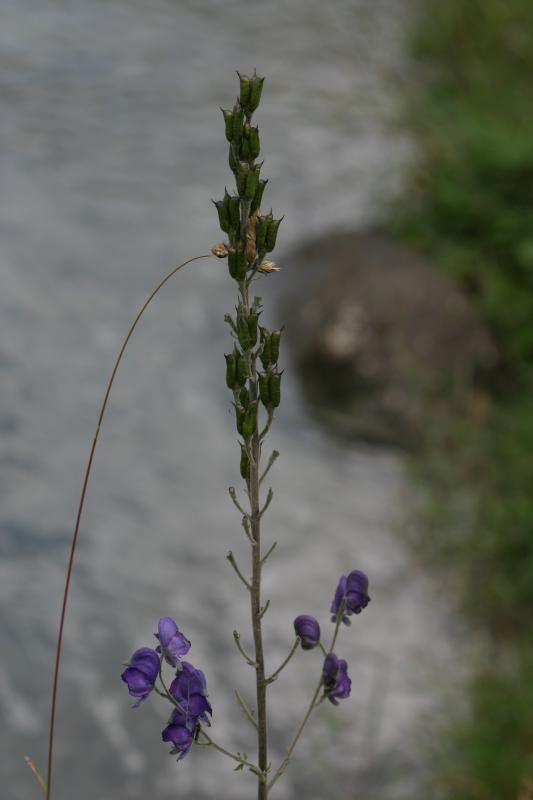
<point x="179" y="731"/>
<point x="337" y="684"/>
<point x="171" y="642"/>
<point x="340" y="592"/>
<point x="308" y="629"/>
<point x="354" y="591"/>
<point x="190" y="691"/>
<point x="141" y="673"/>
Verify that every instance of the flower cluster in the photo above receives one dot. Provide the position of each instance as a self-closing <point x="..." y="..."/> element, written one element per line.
<point x="187" y="692"/>
<point x="351" y="596"/>
<point x="337" y="684"/>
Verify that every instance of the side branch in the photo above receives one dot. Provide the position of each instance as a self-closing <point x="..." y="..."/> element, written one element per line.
<point x="247" y="712"/>
<point x="231" y="559"/>
<point x="244" y="654"/>
<point x="283" y="664"/>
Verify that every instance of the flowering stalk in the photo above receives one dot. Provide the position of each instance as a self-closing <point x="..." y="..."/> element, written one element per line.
<point x="251" y="235"/>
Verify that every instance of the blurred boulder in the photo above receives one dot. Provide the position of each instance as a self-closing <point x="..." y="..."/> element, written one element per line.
<point x="385" y="344"/>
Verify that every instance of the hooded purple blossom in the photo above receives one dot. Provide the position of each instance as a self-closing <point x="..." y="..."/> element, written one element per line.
<point x="354" y="591"/>
<point x="190" y="691"/>
<point x="337" y="684"/>
<point x="308" y="629"/>
<point x="179" y="731"/>
<point x="172" y="642"/>
<point x="140" y="673"/>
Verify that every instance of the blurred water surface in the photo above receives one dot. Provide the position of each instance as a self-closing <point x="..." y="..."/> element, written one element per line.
<point x="111" y="148"/>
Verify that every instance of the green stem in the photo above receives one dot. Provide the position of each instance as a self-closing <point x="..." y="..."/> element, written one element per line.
<point x="234" y="756"/>
<point x="284" y="663"/>
<point x="312" y="705"/>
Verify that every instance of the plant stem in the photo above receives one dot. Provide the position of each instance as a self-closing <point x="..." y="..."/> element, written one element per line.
<point x="262" y="741"/>
<point x="74" y="541"/>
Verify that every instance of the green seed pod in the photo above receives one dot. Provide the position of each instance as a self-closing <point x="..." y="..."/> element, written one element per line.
<point x="239" y="419"/>
<point x="253" y="137"/>
<point x="245" y="464"/>
<point x="244" y="96"/>
<point x="261" y="227"/>
<point x="275" y="338"/>
<point x="264" y="391"/>
<point x="272" y="234"/>
<point x="228" y="120"/>
<point x="235" y="211"/>
<point x="274" y="386"/>
<point x="256" y="87"/>
<point x="244" y="334"/>
<point x="245" y="152"/>
<point x="251" y="185"/>
<point x="244" y="398"/>
<point x="232" y="262"/>
<point x="238" y="122"/>
<point x="258" y="196"/>
<point x="231" y="370"/>
<point x="241" y="262"/>
<point x="250" y="421"/>
<point x="266" y="358"/>
<point x="242" y="372"/>
<point x="252" y="329"/>
<point x="242" y="174"/>
<point x="223" y="215"/>
<point x="231" y="160"/>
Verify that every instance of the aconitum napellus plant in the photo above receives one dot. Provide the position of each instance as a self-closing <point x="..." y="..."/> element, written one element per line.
<point x="253" y="378"/>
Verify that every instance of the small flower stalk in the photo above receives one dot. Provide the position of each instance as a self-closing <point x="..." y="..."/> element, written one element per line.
<point x="254" y="379"/>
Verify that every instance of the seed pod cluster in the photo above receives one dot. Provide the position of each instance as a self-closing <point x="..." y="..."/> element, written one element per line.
<point x="239" y="214"/>
<point x="236" y="371"/>
<point x="251" y="235"/>
<point x="250" y="146"/>
<point x="237" y="262"/>
<point x="250" y="92"/>
<point x="270" y="341"/>
<point x="266" y="232"/>
<point x="270" y="379"/>
<point x="270" y="389"/>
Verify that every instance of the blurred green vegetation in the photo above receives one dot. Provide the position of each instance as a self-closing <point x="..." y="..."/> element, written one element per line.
<point x="489" y="753"/>
<point x="471" y="209"/>
<point x="474" y="119"/>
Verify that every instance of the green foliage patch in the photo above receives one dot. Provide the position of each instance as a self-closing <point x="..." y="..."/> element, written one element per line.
<point x="471" y="208"/>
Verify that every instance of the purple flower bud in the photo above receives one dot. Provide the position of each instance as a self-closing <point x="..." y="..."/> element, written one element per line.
<point x="337" y="684"/>
<point x="190" y="691"/>
<point x="354" y="591"/>
<point x="171" y="642"/>
<point x="337" y="600"/>
<point x="308" y="629"/>
<point x="141" y="673"/>
<point x="179" y="731"/>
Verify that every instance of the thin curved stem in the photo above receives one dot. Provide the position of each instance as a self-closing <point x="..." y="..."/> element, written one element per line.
<point x="312" y="705"/>
<point x="229" y="754"/>
<point x="74" y="542"/>
<point x="242" y="651"/>
<point x="167" y="694"/>
<point x="233" y="562"/>
<point x="284" y="663"/>
<point x="246" y="711"/>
